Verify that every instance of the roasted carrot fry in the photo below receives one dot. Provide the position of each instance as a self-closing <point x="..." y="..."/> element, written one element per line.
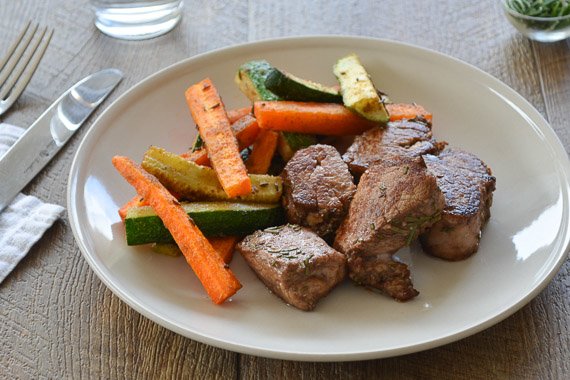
<point x="135" y="201"/>
<point x="225" y="246"/>
<point x="218" y="281"/>
<point x="237" y="113"/>
<point x="233" y="116"/>
<point x="311" y="118"/>
<point x="209" y="114"/>
<point x="199" y="156"/>
<point x="262" y="153"/>
<point x="400" y="111"/>
<point x="245" y="130"/>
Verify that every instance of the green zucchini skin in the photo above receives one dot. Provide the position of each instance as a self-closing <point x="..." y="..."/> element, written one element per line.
<point x="195" y="182"/>
<point x="289" y="143"/>
<point x="289" y="87"/>
<point x="143" y="226"/>
<point x="251" y="78"/>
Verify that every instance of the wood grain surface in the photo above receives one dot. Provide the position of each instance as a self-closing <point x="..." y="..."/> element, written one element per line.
<point x="57" y="320"/>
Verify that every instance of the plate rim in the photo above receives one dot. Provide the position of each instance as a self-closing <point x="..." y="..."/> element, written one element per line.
<point x="95" y="131"/>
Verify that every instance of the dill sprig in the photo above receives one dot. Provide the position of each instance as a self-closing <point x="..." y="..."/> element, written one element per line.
<point x="198" y="144"/>
<point x="413" y="225"/>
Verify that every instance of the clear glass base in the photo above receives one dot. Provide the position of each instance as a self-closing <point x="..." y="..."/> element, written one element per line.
<point x="137" y="20"/>
<point x="547" y="36"/>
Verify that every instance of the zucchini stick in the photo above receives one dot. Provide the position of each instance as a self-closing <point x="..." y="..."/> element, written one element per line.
<point x="358" y="92"/>
<point x="218" y="280"/>
<point x="195" y="182"/>
<point x="224" y="245"/>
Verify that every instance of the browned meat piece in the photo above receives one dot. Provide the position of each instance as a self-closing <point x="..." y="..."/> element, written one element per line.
<point x="468" y="187"/>
<point x="403" y="138"/>
<point x="395" y="201"/>
<point x="294" y="263"/>
<point x="317" y="189"/>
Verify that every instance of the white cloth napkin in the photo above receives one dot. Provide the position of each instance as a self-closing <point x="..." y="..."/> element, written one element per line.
<point x="25" y="220"/>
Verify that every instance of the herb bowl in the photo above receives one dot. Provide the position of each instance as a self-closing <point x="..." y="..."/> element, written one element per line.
<point x="538" y="28"/>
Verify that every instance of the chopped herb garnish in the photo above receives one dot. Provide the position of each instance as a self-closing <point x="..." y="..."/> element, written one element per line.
<point x="412" y="225"/>
<point x="274" y="229"/>
<point x="383" y="189"/>
<point x="307" y="264"/>
<point x="296" y="227"/>
<point x="198" y="144"/>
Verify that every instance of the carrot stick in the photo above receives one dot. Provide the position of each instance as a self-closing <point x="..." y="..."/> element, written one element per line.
<point x="225" y="246"/>
<point x="218" y="281"/>
<point x="400" y="111"/>
<point x="237" y="113"/>
<point x="245" y="130"/>
<point x="311" y="118"/>
<point x="262" y="153"/>
<point x="136" y="201"/>
<point x="209" y="114"/>
<point x="199" y="156"/>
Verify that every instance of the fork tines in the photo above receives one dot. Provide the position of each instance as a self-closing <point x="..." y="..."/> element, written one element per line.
<point x="20" y="63"/>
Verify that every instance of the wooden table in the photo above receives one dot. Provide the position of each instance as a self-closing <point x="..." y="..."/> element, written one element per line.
<point x="57" y="320"/>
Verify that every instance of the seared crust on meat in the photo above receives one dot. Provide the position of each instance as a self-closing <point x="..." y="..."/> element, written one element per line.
<point x="294" y="263"/>
<point x="317" y="189"/>
<point x="402" y="138"/>
<point x="385" y="274"/>
<point x="395" y="201"/>
<point x="468" y="187"/>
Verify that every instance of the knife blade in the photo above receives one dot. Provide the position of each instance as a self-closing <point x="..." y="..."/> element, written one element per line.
<point x="49" y="133"/>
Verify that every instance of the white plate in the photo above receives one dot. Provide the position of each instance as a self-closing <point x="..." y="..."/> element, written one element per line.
<point x="523" y="245"/>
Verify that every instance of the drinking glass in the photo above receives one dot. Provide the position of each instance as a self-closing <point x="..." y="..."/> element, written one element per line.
<point x="136" y="19"/>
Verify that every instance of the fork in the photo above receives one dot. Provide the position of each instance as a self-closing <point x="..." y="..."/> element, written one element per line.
<point x="16" y="69"/>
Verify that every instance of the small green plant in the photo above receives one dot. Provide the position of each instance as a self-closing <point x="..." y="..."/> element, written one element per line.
<point x="544" y="9"/>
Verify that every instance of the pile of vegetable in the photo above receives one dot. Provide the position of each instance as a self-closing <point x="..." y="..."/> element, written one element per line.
<point x="202" y="202"/>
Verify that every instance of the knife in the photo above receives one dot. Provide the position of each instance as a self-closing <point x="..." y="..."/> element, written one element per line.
<point x="43" y="139"/>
